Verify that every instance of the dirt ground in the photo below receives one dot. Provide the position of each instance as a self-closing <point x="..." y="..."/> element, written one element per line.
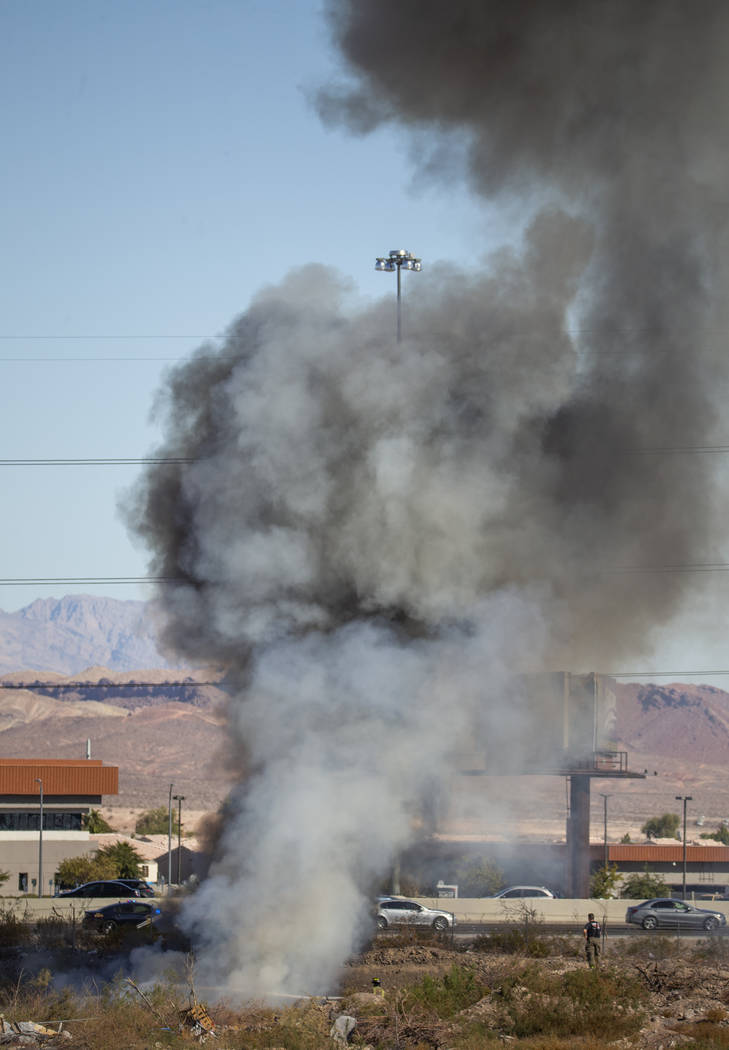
<point x="687" y="989"/>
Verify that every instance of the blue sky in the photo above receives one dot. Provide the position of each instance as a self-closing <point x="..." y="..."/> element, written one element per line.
<point x="162" y="163"/>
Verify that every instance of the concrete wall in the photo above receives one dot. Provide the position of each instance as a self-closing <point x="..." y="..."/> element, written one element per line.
<point x="560" y="910"/>
<point x="570" y="913"/>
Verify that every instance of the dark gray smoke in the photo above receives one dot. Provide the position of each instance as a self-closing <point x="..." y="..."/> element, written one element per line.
<point x="372" y="535"/>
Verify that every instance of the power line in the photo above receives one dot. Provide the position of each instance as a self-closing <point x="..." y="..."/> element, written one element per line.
<point x="46" y="338"/>
<point x="88" y="462"/>
<point x="25" y="581"/>
<point x="127" y="460"/>
<point x="10" y="581"/>
<point x="60" y="360"/>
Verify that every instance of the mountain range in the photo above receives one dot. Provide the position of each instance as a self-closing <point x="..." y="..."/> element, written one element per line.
<point x="167" y="723"/>
<point x="81" y="630"/>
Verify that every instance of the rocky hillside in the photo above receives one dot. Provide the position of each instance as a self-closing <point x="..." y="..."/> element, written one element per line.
<point x="689" y="722"/>
<point x="79" y="631"/>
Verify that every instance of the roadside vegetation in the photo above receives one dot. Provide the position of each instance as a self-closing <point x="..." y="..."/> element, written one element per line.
<point x="663" y="827"/>
<point x="156" y="822"/>
<point x="532" y="991"/>
<point x="117" y="861"/>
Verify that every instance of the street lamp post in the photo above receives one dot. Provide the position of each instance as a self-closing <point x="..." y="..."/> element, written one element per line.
<point x="399" y="259"/>
<point x="179" y="799"/>
<point x="684" y="799"/>
<point x="169" y="841"/>
<point x="604" y="830"/>
<point x="39" y="782"/>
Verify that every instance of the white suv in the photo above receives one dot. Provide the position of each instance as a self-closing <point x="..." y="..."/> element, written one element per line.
<point x="525" y="891"/>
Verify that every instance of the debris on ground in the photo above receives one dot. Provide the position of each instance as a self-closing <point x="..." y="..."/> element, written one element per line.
<point x="196" y="1020"/>
<point x="31" y="1034"/>
<point x="342" y="1029"/>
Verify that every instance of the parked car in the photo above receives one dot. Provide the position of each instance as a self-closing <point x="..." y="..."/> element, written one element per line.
<point x="395" y="911"/>
<point x="145" y="888"/>
<point x="668" y="912"/>
<point x="131" y="914"/>
<point x="525" y="891"/>
<point x="102" y="888"/>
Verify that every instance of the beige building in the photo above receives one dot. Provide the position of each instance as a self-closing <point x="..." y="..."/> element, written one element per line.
<point x="43" y="803"/>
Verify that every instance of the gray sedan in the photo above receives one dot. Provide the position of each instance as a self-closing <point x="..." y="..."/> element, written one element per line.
<point x="395" y="911"/>
<point x="667" y="912"/>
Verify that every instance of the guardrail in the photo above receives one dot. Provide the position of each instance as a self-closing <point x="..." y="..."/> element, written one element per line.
<point x="31" y="909"/>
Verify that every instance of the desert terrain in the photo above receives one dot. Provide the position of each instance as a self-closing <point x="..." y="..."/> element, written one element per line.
<point x="677" y="735"/>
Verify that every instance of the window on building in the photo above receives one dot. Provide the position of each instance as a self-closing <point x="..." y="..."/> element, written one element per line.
<point x="22" y="882"/>
<point x="53" y="820"/>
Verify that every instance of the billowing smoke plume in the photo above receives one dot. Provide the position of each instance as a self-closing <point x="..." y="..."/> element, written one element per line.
<point x="370" y="535"/>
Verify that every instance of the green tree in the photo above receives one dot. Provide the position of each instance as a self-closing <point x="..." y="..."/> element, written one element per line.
<point x="123" y="857"/>
<point x="604" y="882"/>
<point x="73" y="871"/>
<point x="4" y="876"/>
<point x="720" y="835"/>
<point x="94" y="823"/>
<point x="663" y="827"/>
<point x="626" y="838"/>
<point x="644" y="886"/>
<point x="155" y="822"/>
<point x="479" y="877"/>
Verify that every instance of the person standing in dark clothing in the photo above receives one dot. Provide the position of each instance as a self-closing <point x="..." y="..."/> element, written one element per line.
<point x="592" y="932"/>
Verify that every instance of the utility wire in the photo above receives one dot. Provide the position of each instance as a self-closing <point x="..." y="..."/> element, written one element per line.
<point x="126" y="460"/>
<point x="647" y="569"/>
<point x="89" y="462"/>
<point x="24" y="581"/>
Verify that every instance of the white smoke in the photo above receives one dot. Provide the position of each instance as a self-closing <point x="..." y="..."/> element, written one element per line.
<point x="371" y="535"/>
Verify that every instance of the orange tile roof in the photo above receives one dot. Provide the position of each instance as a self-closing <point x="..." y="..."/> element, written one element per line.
<point x="646" y="853"/>
<point x="59" y="776"/>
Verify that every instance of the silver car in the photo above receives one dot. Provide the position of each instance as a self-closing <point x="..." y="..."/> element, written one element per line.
<point x="524" y="891"/>
<point x="667" y="912"/>
<point x="395" y="912"/>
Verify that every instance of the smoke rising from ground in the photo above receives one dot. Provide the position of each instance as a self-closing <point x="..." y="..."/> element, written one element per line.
<point x="372" y="535"/>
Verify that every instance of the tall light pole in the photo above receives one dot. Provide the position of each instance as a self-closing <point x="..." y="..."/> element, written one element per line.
<point x="604" y="829"/>
<point x="169" y="841"/>
<point x="179" y="799"/>
<point x="399" y="259"/>
<point x="39" y="782"/>
<point x="684" y="799"/>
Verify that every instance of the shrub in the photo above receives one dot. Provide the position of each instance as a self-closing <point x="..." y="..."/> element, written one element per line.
<point x="513" y="941"/>
<point x="663" y="827"/>
<point x="479" y="877"/>
<point x="94" y="823"/>
<point x="447" y="995"/>
<point x="123" y="857"/>
<point x="156" y="822"/>
<point x="586" y="1003"/>
<point x="644" y="886"/>
<point x="720" y="835"/>
<point x="74" y="871"/>
<point x="604" y="882"/>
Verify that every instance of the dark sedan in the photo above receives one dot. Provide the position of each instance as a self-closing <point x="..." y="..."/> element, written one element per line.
<point x="131" y="915"/>
<point x="666" y="912"/>
<point x="102" y="888"/>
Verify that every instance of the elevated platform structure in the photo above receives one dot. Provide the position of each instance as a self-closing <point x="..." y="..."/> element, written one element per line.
<point x="557" y="724"/>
